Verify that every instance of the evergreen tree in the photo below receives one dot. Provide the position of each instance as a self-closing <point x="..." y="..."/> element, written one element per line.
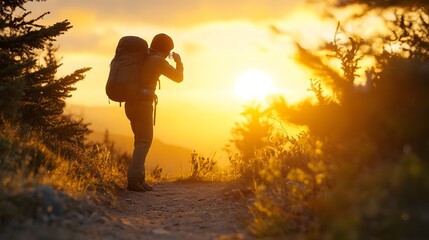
<point x="30" y="92"/>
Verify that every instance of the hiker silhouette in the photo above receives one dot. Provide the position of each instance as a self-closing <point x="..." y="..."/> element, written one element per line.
<point x="141" y="111"/>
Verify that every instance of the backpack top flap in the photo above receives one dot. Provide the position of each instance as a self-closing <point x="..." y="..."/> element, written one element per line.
<point x="131" y="44"/>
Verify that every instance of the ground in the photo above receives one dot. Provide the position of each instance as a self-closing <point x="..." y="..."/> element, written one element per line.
<point x="174" y="210"/>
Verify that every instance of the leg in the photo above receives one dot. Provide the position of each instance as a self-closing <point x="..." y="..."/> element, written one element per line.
<point x="140" y="114"/>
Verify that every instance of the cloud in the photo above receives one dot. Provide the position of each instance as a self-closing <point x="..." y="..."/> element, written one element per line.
<point x="172" y="12"/>
<point x="98" y="24"/>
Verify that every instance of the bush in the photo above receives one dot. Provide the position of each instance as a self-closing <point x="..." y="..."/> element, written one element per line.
<point x="24" y="153"/>
<point x="156" y="173"/>
<point x="361" y="172"/>
<point x="201" y="166"/>
<point x="249" y="137"/>
<point x="26" y="163"/>
<point x="294" y="177"/>
<point x="389" y="201"/>
<point x="246" y="171"/>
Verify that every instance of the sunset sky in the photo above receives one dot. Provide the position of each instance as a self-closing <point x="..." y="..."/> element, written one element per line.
<point x="220" y="42"/>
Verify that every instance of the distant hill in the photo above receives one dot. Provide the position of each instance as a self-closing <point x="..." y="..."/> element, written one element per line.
<point x="111" y="117"/>
<point x="197" y="127"/>
<point x="173" y="159"/>
<point x="179" y="130"/>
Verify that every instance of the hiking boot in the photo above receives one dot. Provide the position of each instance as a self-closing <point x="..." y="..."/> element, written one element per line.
<point x="136" y="186"/>
<point x="146" y="186"/>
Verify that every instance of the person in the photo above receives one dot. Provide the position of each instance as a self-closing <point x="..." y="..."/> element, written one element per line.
<point x="140" y="111"/>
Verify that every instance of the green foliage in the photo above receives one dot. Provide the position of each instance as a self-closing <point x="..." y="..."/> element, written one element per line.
<point x="20" y="41"/>
<point x="31" y="93"/>
<point x="38" y="143"/>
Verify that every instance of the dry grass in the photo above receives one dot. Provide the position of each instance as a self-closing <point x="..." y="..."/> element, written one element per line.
<point x="27" y="163"/>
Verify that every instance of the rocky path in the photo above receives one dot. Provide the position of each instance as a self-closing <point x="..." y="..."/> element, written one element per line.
<point x="178" y="210"/>
<point x="174" y="210"/>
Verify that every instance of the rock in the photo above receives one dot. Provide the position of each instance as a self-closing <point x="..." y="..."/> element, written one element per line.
<point x="161" y="231"/>
<point x="49" y="206"/>
<point x="39" y="204"/>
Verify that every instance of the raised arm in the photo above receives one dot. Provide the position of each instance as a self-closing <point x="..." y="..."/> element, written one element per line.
<point x="175" y="74"/>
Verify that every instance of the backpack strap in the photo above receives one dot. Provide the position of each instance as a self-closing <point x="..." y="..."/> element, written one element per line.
<point x="155" y="101"/>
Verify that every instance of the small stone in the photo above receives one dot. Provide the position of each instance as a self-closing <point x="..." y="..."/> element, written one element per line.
<point x="49" y="206"/>
<point x="161" y="231"/>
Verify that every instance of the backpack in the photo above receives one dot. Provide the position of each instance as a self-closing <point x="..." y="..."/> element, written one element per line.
<point x="123" y="81"/>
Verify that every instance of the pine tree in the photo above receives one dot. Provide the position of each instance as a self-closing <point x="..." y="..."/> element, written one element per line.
<point x="30" y="92"/>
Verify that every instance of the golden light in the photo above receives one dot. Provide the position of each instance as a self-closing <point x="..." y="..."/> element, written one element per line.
<point x="253" y="85"/>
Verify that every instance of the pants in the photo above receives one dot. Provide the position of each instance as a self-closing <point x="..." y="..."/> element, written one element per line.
<point x="140" y="114"/>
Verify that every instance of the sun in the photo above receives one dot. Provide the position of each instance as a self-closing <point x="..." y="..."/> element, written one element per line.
<point x="253" y="85"/>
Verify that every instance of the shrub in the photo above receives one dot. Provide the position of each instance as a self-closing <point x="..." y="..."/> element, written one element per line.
<point x="156" y="173"/>
<point x="246" y="171"/>
<point x="388" y="201"/>
<point x="249" y="136"/>
<point x="201" y="166"/>
<point x="24" y="152"/>
<point x="361" y="175"/>
<point x="25" y="163"/>
<point x="295" y="176"/>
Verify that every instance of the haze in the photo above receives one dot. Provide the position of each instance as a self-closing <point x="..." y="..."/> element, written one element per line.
<point x="218" y="42"/>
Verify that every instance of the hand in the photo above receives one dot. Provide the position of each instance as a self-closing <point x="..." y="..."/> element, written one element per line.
<point x="176" y="57"/>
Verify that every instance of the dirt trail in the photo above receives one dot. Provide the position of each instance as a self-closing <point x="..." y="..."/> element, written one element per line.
<point x="177" y="210"/>
<point x="174" y="210"/>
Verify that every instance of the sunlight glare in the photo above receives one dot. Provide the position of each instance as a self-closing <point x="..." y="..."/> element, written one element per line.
<point x="253" y="85"/>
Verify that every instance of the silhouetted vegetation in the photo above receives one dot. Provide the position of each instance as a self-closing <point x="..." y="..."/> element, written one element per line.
<point x="385" y="3"/>
<point x="156" y="173"/>
<point x="253" y="132"/>
<point x="26" y="163"/>
<point x="357" y="172"/>
<point x="201" y="166"/>
<point x="31" y="93"/>
<point x="249" y="136"/>
<point x="38" y="143"/>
